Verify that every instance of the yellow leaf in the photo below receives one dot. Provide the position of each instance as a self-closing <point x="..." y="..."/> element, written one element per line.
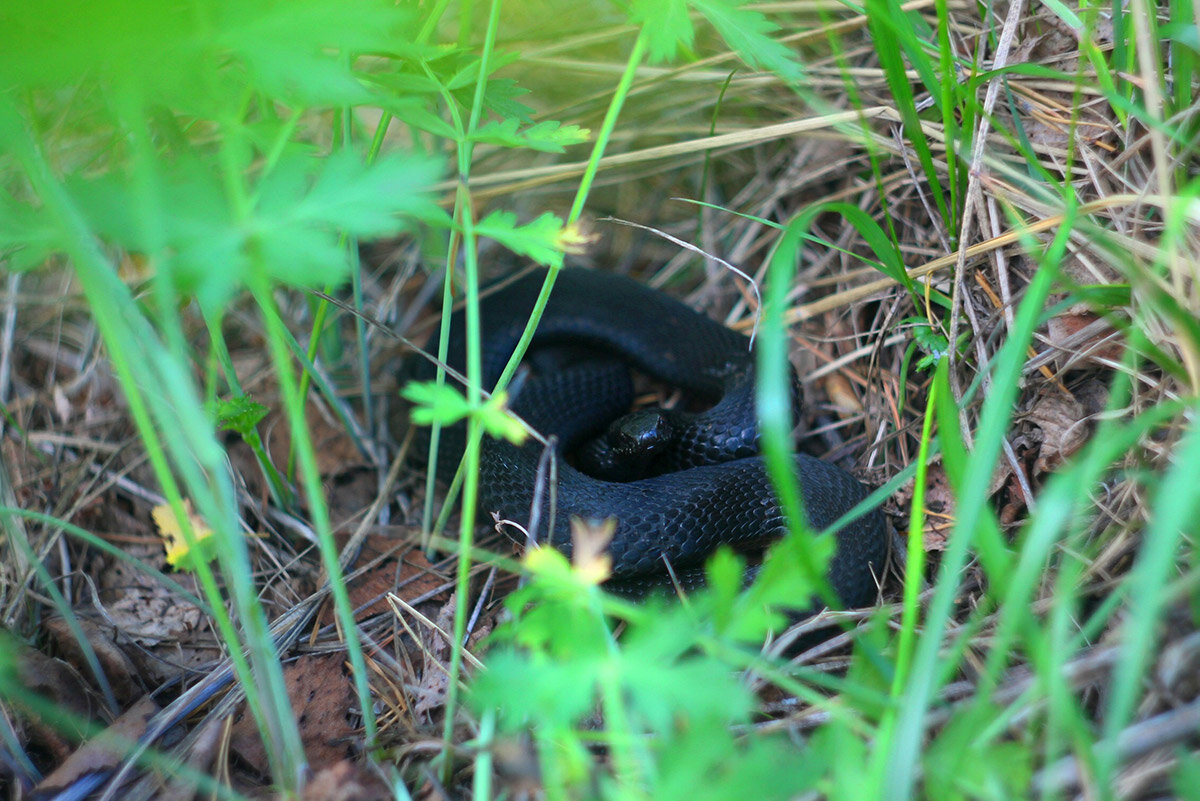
<point x="573" y="240"/>
<point x="179" y="554"/>
<point x="590" y="539"/>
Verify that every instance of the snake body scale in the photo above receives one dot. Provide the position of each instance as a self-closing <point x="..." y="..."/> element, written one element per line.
<point x="714" y="488"/>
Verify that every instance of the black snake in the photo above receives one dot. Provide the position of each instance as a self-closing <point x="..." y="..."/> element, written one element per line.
<point x="706" y="488"/>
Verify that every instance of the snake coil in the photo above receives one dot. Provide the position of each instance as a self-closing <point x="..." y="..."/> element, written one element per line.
<point x="710" y="487"/>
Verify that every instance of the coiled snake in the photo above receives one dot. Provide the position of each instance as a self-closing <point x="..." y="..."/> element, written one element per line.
<point x="703" y="486"/>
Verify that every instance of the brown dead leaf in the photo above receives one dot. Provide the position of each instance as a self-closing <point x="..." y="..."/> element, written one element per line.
<point x="141" y="607"/>
<point x="57" y="681"/>
<point x="118" y="668"/>
<point x="321" y="695"/>
<point x="939" y="508"/>
<point x="200" y="757"/>
<point x="405" y="571"/>
<point x="350" y="489"/>
<point x="334" y="447"/>
<point x="1061" y="422"/>
<point x="430" y="691"/>
<point x="1084" y="338"/>
<point x="345" y="781"/>
<point x="841" y="394"/>
<point x="155" y="617"/>
<point x="91" y="757"/>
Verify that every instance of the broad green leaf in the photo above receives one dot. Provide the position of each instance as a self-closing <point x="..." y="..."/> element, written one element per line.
<point x="548" y="136"/>
<point x="435" y="403"/>
<point x="27" y="234"/>
<point x="666" y="26"/>
<point x="957" y="768"/>
<point x="498" y="422"/>
<point x="468" y="73"/>
<point x="527" y="688"/>
<point x="661" y="675"/>
<point x="297" y="50"/>
<point x="413" y="110"/>
<point x="707" y="762"/>
<point x="748" y="32"/>
<point x="724" y="571"/>
<point x="351" y="196"/>
<point x="781" y="584"/>
<point x="239" y="413"/>
<point x="541" y="240"/>
<point x="843" y="757"/>
<point x="500" y="98"/>
<point x="303" y="205"/>
<point x="194" y="54"/>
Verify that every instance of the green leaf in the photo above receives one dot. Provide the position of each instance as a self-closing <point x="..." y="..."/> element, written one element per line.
<point x="780" y="585"/>
<point x="297" y="50"/>
<point x="499" y="422"/>
<point x="958" y="767"/>
<point x="549" y="136"/>
<point x="666" y="26"/>
<point x="499" y="98"/>
<point x="748" y="32"/>
<point x="843" y="755"/>
<point x="527" y="688"/>
<point x="661" y="682"/>
<point x="352" y="196"/>
<point x="27" y="234"/>
<point x="890" y="263"/>
<point x="1186" y="777"/>
<point x="239" y="413"/>
<point x="413" y="110"/>
<point x="442" y="403"/>
<point x="931" y="341"/>
<point x="894" y="37"/>
<point x="10" y="683"/>
<point x="435" y="403"/>
<point x="540" y="240"/>
<point x="467" y="74"/>
<point x="706" y="762"/>
<point x="194" y="55"/>
<point x="724" y="571"/>
<point x="292" y="233"/>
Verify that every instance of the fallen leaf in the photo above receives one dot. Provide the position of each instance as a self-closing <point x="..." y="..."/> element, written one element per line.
<point x="116" y="664"/>
<point x="180" y="554"/>
<point x="841" y="395"/>
<point x="95" y="757"/>
<point x="1084" y="338"/>
<point x="1063" y="428"/>
<point x="939" y="508"/>
<point x="54" y="680"/>
<point x="406" y="572"/>
<point x="321" y="695"/>
<point x="431" y="687"/>
<point x="345" y="781"/>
